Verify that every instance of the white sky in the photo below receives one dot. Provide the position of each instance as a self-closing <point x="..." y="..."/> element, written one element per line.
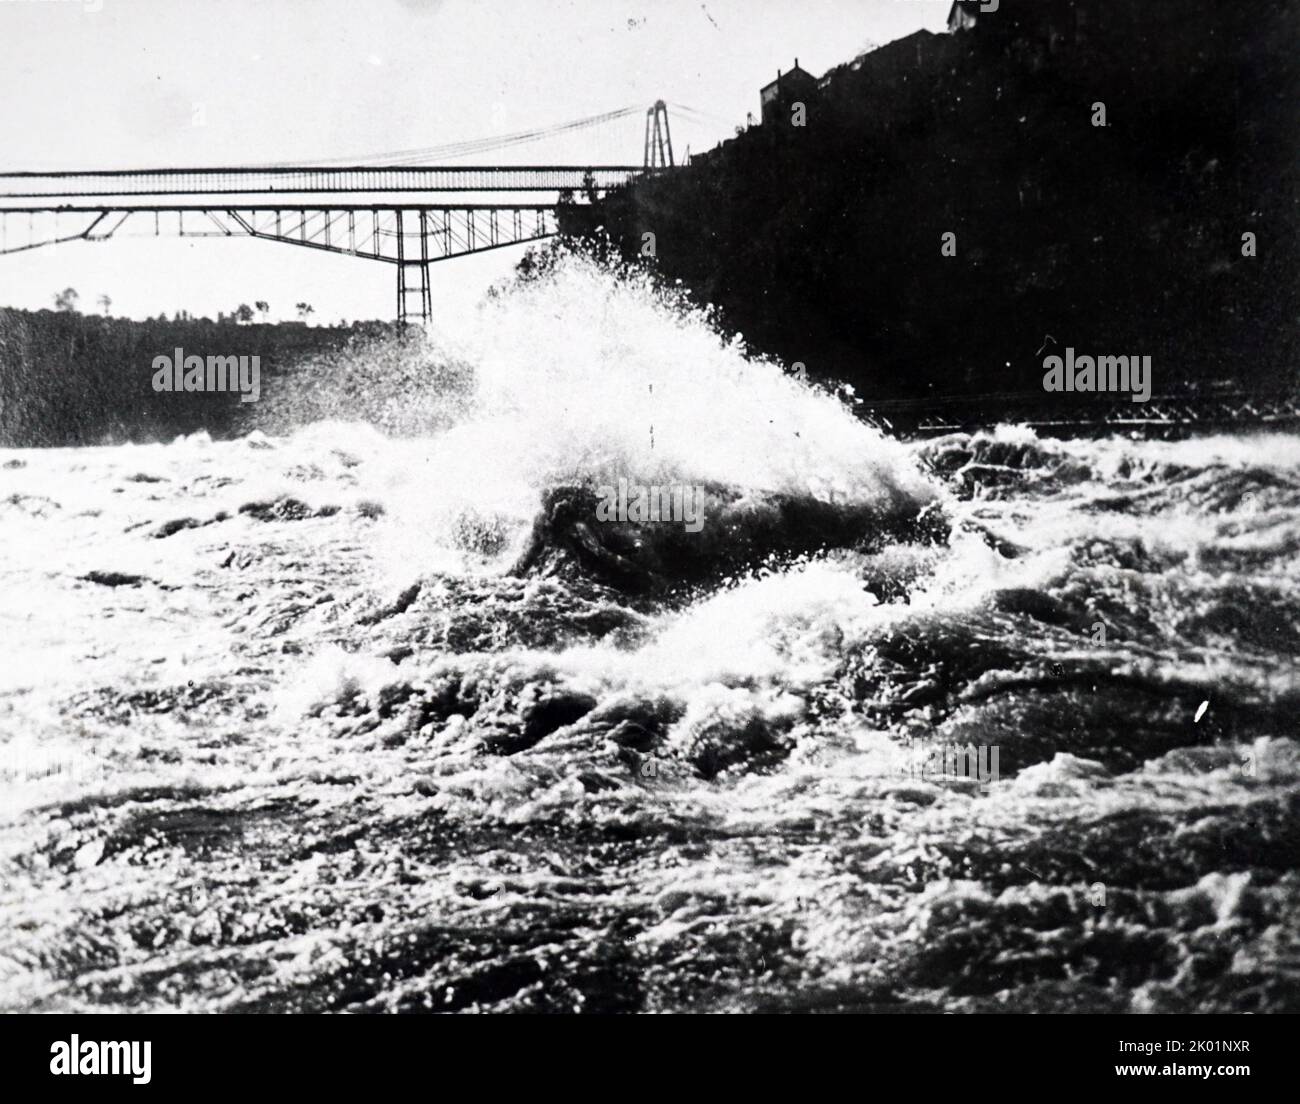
<point x="142" y="83"/>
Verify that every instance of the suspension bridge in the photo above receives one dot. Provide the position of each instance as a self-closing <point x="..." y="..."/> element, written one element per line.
<point x="407" y="208"/>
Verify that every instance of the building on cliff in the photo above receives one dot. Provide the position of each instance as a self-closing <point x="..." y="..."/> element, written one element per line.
<point x="798" y="85"/>
<point x="964" y="15"/>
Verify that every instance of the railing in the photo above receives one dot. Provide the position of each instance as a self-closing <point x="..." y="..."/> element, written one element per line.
<point x="1104" y="414"/>
<point x="307" y="180"/>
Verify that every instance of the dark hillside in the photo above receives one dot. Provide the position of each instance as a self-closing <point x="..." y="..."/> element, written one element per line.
<point x="822" y="244"/>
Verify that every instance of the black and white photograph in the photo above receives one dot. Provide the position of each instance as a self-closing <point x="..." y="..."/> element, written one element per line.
<point x="651" y="507"/>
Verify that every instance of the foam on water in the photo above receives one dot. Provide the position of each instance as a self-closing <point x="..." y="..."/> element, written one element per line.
<point x="282" y="734"/>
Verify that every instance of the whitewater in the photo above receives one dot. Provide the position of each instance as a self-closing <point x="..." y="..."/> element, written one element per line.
<point x="366" y="711"/>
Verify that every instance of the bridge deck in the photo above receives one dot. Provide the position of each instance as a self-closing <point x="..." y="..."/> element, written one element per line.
<point x="311" y="180"/>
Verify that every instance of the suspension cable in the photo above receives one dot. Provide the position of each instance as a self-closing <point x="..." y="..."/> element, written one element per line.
<point x="454" y="150"/>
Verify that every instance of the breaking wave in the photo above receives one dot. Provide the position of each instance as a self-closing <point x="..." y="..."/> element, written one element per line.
<point x="562" y="386"/>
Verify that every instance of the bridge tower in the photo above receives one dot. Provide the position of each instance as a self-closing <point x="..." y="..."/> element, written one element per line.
<point x="658" y="140"/>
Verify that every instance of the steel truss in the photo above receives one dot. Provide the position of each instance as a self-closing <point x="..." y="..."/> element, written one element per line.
<point x="410" y="236"/>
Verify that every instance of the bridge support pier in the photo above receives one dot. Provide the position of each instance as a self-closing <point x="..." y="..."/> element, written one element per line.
<point x="414" y="301"/>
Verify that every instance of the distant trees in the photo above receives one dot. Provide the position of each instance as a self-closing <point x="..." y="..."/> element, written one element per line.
<point x="68" y="301"/>
<point x="72" y="378"/>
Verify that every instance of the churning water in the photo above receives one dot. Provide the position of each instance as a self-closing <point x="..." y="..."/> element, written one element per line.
<point x="367" y="710"/>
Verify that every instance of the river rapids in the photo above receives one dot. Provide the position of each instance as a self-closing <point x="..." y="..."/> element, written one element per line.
<point x="365" y="711"/>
